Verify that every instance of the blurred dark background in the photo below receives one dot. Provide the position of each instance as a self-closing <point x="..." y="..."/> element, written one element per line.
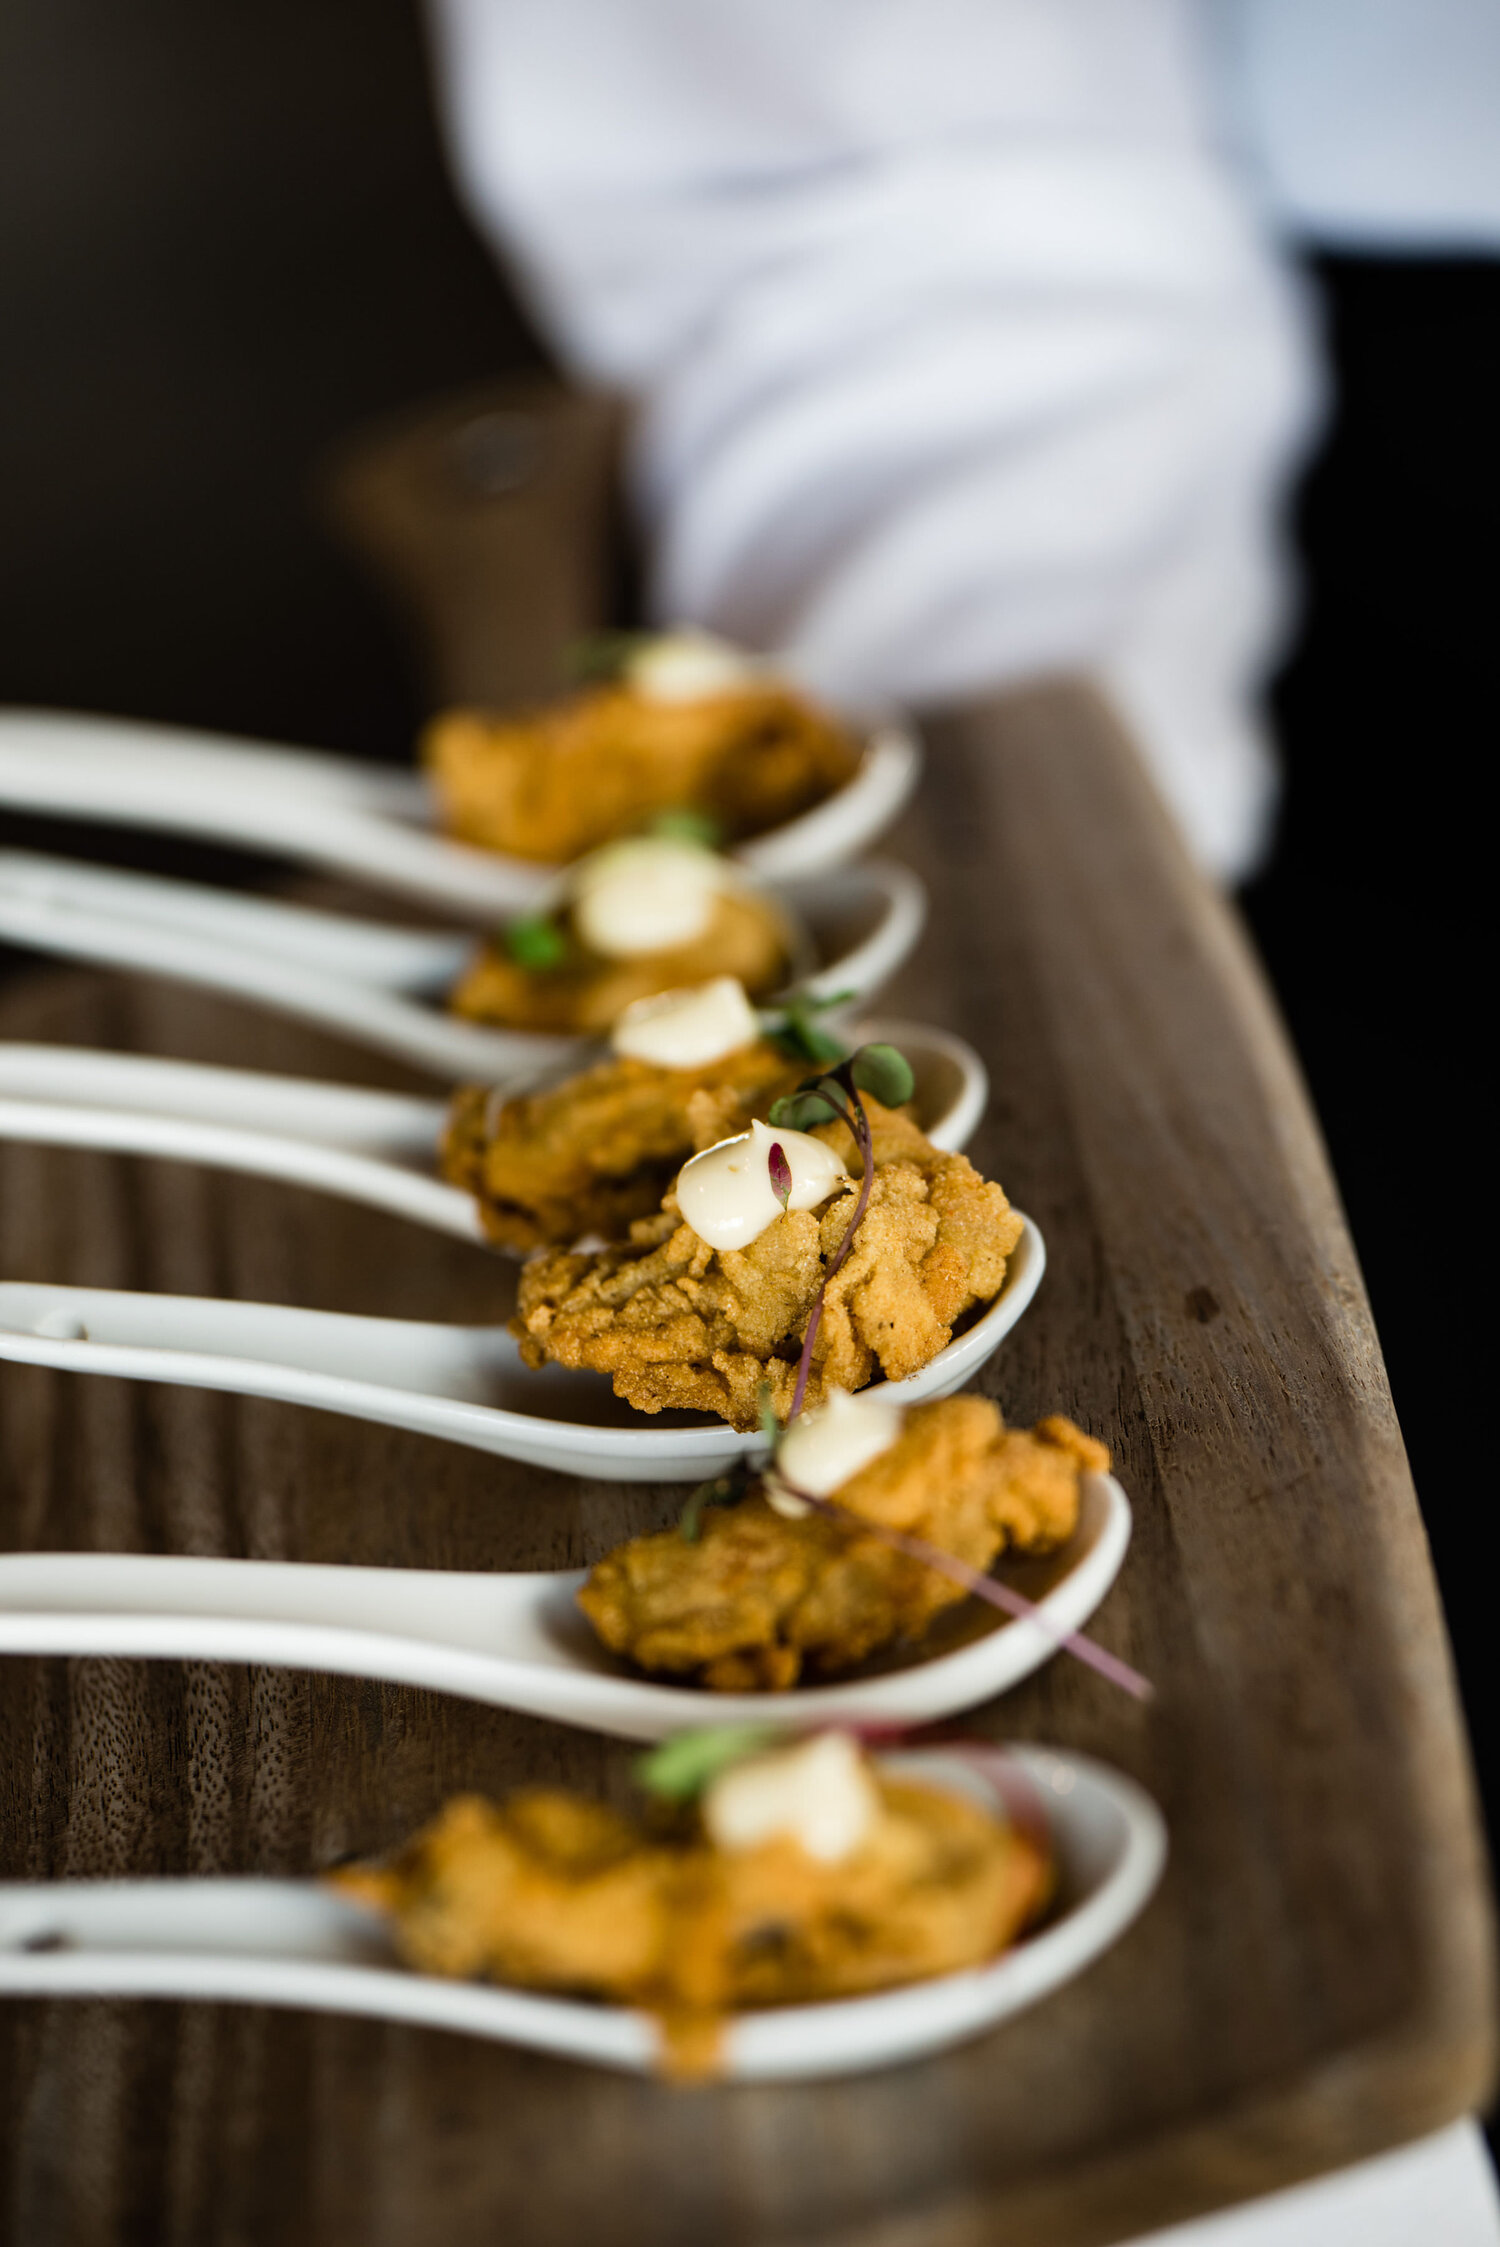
<point x="227" y="238"/>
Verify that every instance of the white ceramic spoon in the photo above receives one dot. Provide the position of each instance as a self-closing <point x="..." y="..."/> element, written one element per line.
<point x="283" y="1942"/>
<point x="381" y="985"/>
<point x="359" y="819"/>
<point x="518" y="1641"/>
<point x="378" y="1148"/>
<point x="464" y="1383"/>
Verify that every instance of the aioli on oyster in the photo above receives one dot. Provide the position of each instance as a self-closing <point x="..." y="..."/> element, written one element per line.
<point x="631" y="921"/>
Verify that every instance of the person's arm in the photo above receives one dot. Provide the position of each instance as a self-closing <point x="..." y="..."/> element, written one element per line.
<point x="959" y="354"/>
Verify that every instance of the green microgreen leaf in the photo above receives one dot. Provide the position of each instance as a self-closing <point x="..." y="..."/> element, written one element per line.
<point x="535" y="941"/>
<point x="770" y="1427"/>
<point x="723" y="1490"/>
<point x="682" y="1767"/>
<point x="597" y="656"/>
<point x="685" y="823"/>
<point x="798" y="1111"/>
<point x="809" y="1043"/>
<point x="818" y="1100"/>
<point x="797" y="1034"/>
<point x="884" y="1073"/>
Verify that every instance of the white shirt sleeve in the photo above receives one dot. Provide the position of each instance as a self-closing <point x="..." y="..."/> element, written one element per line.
<point x="959" y="353"/>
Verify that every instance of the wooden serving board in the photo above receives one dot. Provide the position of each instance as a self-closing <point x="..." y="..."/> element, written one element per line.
<point x="1313" y="1982"/>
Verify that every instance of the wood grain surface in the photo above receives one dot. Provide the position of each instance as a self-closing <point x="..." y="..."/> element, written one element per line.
<point x="1313" y="1981"/>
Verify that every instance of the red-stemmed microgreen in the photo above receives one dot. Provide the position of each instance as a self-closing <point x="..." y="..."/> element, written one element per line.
<point x="886" y="1075"/>
<point x="729" y="1489"/>
<point x="722" y="1490"/>
<point x="835" y="1094"/>
<point x="988" y="1588"/>
<point x="737" y="1483"/>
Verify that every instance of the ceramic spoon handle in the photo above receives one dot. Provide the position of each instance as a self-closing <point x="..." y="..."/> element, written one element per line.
<point x="270" y="1918"/>
<point x="375" y="952"/>
<point x="47" y="757"/>
<point x="347" y="1116"/>
<point x="273" y="1942"/>
<point x="334" y="1170"/>
<point x="450" y="1606"/>
<point x="315" y="1351"/>
<point x="316" y="811"/>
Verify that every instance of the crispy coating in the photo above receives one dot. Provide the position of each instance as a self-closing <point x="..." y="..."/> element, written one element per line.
<point x="758" y="1599"/>
<point x="747" y="937"/>
<point x="555" y="782"/>
<point x="596" y="1152"/>
<point x="678" y="1324"/>
<point x="551" y="1892"/>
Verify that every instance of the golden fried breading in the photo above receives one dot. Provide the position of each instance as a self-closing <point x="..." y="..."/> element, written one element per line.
<point x="556" y="782"/>
<point x="747" y="937"/>
<point x="549" y="1892"/>
<point x="599" y="1150"/>
<point x="678" y="1324"/>
<point x="759" y="1598"/>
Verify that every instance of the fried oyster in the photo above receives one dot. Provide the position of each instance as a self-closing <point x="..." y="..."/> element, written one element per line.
<point x="592" y="1154"/>
<point x="555" y="782"/>
<point x="586" y="991"/>
<point x="678" y="1324"/>
<point x="548" y="1891"/>
<point x="759" y="1598"/>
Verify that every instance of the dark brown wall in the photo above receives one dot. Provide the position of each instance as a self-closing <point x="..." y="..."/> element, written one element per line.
<point x="226" y="235"/>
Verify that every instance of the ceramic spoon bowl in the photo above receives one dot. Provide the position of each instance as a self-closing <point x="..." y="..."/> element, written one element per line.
<point x="520" y="1641"/>
<point x="378" y="1148"/>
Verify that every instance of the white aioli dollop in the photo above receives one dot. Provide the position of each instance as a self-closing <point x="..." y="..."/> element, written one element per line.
<point x="647" y="896"/>
<point x="726" y="1195"/>
<point x="687" y="665"/>
<point x="819" y="1794"/>
<point x="684" y="1029"/>
<point x="824" y="1447"/>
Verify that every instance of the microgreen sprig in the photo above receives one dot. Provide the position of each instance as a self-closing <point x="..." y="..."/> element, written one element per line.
<point x="687" y="823"/>
<point x="886" y="1075"/>
<point x="597" y="656"/>
<point x="536" y="941"/>
<point x="683" y="1766"/>
<point x="720" y="1490"/>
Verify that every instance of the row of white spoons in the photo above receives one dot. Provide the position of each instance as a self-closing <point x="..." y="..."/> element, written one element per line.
<point x="378" y="1148"/>
<point x="515" y="1641"/>
<point x="352" y="818"/>
<point x="381" y="985"/>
